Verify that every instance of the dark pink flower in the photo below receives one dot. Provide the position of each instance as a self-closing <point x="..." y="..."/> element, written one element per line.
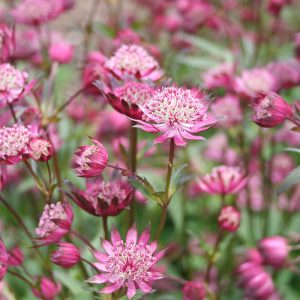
<point x="15" y="257"/>
<point x="274" y="250"/>
<point x="270" y="110"/>
<point x="6" y="43"/>
<point x="90" y="161"/>
<point x="223" y="180"/>
<point x="229" y="218"/>
<point x="67" y="255"/>
<point x="194" y="290"/>
<point x="3" y="260"/>
<point x="54" y="223"/>
<point x="132" y="60"/>
<point x="129" y="264"/>
<point x="40" y="149"/>
<point x="61" y="53"/>
<point x="104" y="198"/>
<point x="255" y="281"/>
<point x="176" y="113"/>
<point x="47" y="289"/>
<point x="275" y="6"/>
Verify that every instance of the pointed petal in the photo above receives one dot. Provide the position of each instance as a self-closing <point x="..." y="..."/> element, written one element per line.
<point x="107" y="247"/>
<point x="115" y="236"/>
<point x="102" y="278"/>
<point x="131" y="289"/>
<point x="100" y="256"/>
<point x="110" y="289"/>
<point x="146" y="288"/>
<point x="99" y="266"/>
<point x="131" y="235"/>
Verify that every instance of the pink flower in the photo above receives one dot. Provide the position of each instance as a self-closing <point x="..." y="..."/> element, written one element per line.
<point x="270" y="110"/>
<point x="274" y="250"/>
<point x="255" y="281"/>
<point x="61" y="53"/>
<point x="90" y="161"/>
<point x="177" y="113"/>
<point x="67" y="255"/>
<point x="132" y="60"/>
<point x="6" y="43"/>
<point x="129" y="264"/>
<point x="12" y="84"/>
<point x="254" y="81"/>
<point x="229" y="218"/>
<point x="47" y="289"/>
<point x="281" y="165"/>
<point x="14" y="143"/>
<point x="275" y="6"/>
<point x="223" y="180"/>
<point x="194" y="290"/>
<point x="3" y="260"/>
<point x="254" y="256"/>
<point x="126" y="36"/>
<point x="40" y="149"/>
<point x="128" y="98"/>
<point x="297" y="45"/>
<point x="54" y="223"/>
<point x="15" y="257"/>
<point x="103" y="198"/>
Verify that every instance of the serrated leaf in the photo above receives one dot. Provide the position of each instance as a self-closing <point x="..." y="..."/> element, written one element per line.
<point x="289" y="181"/>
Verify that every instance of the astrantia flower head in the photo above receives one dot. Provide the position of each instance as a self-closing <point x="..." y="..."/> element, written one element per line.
<point x="14" y="143"/>
<point x="176" y="113"/>
<point x="127" y="264"/>
<point x="128" y="98"/>
<point x="90" y="161"/>
<point x="3" y="260"/>
<point x="132" y="60"/>
<point x="12" y="84"/>
<point x="47" y="289"/>
<point x="54" y="223"/>
<point x="103" y="198"/>
<point x="223" y="180"/>
<point x="270" y="110"/>
<point x="229" y="218"/>
<point x="40" y="149"/>
<point x="67" y="255"/>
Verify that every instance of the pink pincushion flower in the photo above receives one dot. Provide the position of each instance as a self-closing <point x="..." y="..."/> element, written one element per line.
<point x="3" y="260"/>
<point x="47" y="289"/>
<point x="12" y="84"/>
<point x="6" y="43"/>
<point x="194" y="290"/>
<point x="61" y="53"/>
<point x="40" y="149"/>
<point x="104" y="198"/>
<point x="90" y="161"/>
<point x="270" y="110"/>
<point x="67" y="255"/>
<point x="14" y="143"/>
<point x="177" y="113"/>
<point x="132" y="60"/>
<point x="229" y="218"/>
<point x="129" y="264"/>
<point x="54" y="223"/>
<point x="254" y="81"/>
<point x="127" y="99"/>
<point x="15" y="257"/>
<point x="223" y="180"/>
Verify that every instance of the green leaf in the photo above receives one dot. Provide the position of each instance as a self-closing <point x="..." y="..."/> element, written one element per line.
<point x="289" y="181"/>
<point x="296" y="150"/>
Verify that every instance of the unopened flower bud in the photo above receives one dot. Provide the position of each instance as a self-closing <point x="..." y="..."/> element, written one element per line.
<point x="67" y="255"/>
<point x="229" y="218"/>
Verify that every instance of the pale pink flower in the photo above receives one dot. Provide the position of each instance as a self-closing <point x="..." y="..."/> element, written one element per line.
<point x="223" y="180"/>
<point x="14" y="143"/>
<point x="270" y="110"/>
<point x="254" y="81"/>
<point x="176" y="113"/>
<point x="284" y="134"/>
<point x="194" y="290"/>
<point x="61" y="52"/>
<point x="40" y="149"/>
<point x="3" y="260"/>
<point x="129" y="264"/>
<point x="67" y="255"/>
<point x="132" y="60"/>
<point x="54" y="223"/>
<point x="90" y="161"/>
<point x="47" y="289"/>
<point x="229" y="218"/>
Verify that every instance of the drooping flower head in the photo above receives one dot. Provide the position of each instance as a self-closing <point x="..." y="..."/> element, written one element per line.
<point x="270" y="110"/>
<point x="103" y="198"/>
<point x="176" y="113"/>
<point x="194" y="290"/>
<point x="127" y="99"/>
<point x="6" y="43"/>
<point x="67" y="255"/>
<point x="12" y="84"/>
<point x="229" y="218"/>
<point x="129" y="264"/>
<point x="54" y="223"/>
<point x="90" y="161"/>
<point x="223" y="180"/>
<point x="47" y="289"/>
<point x="40" y="149"/>
<point x="3" y="260"/>
<point x="132" y="60"/>
<point x="14" y="143"/>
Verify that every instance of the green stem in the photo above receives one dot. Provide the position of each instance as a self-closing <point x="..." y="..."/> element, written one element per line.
<point x="105" y="227"/>
<point x="21" y="277"/>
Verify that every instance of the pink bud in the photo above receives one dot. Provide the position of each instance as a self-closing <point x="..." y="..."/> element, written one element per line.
<point x="274" y="251"/>
<point x="253" y="255"/>
<point x="229" y="218"/>
<point x="67" y="255"/>
<point x="15" y="257"/>
<point x="61" y="53"/>
<point x="194" y="290"/>
<point x="47" y="289"/>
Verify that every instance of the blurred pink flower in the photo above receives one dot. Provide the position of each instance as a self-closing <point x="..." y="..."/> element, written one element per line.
<point x="126" y="36"/>
<point x="281" y="165"/>
<point x="129" y="264"/>
<point x="3" y="260"/>
<point x="90" y="161"/>
<point x="47" y="289"/>
<point x="274" y="7"/>
<point x="297" y="45"/>
<point x="67" y="255"/>
<point x="176" y="113"/>
<point x="54" y="223"/>
<point x="223" y="180"/>
<point x="7" y="44"/>
<point x="194" y="290"/>
<point x="15" y="257"/>
<point x="286" y="135"/>
<point x="229" y="218"/>
<point x="61" y="53"/>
